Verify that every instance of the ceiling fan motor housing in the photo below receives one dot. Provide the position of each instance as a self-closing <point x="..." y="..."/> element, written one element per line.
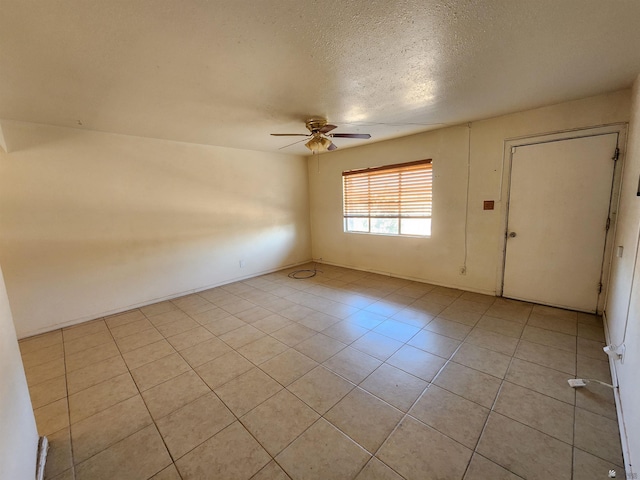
<point x="314" y="125"/>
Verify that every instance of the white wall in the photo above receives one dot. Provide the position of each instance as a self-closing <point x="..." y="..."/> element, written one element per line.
<point x="622" y="311"/>
<point x="438" y="259"/>
<point x="92" y="223"/>
<point x="18" y="434"/>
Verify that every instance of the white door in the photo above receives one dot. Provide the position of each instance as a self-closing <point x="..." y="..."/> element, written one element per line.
<point x="558" y="208"/>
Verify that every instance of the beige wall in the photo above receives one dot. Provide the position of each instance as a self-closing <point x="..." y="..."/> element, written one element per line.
<point x="92" y="223"/>
<point x="18" y="434"/>
<point x="438" y="259"/>
<point x="622" y="311"/>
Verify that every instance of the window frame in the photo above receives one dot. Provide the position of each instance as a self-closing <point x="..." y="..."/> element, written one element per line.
<point x="413" y="180"/>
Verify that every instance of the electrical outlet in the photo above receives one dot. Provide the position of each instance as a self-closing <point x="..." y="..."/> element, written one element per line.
<point x="463" y="270"/>
<point x="241" y="262"/>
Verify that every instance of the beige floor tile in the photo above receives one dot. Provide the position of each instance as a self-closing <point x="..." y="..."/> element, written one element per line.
<point x="147" y="354"/>
<point x="169" y="473"/>
<point x="426" y="306"/>
<point x="242" y="336"/>
<point x="598" y="399"/>
<point x="591" y="332"/>
<point x="194" y="305"/>
<point x="90" y="356"/>
<point x="192" y="424"/>
<point x="589" y="467"/>
<point x="262" y="350"/>
<point x="140" y="455"/>
<point x="367" y="319"/>
<point x="190" y="338"/>
<point x="598" y="436"/>
<point x="320" y="389"/>
<point x="288" y="366"/>
<point x="471" y="384"/>
<point x="158" y="371"/>
<point x="481" y="359"/>
<point x="455" y="330"/>
<point x="555" y="312"/>
<point x="173" y="394"/>
<point x="377" y="345"/>
<point x="365" y="418"/>
<point x="417" y="452"/>
<point x="97" y="432"/>
<point x="518" y="313"/>
<point x="272" y="323"/>
<point x="413" y="316"/>
<point x="271" y="471"/>
<point x="352" y="364"/>
<point x="345" y="331"/>
<point x="538" y="411"/>
<point x="44" y="372"/>
<point x="296" y="312"/>
<point x="168" y="317"/>
<point x="457" y="313"/>
<point x="247" y="391"/>
<point x="212" y="317"/>
<point x="231" y="453"/>
<point x="293" y="334"/>
<point x="547" y="356"/>
<point x="434" y="343"/>
<point x="226" y="367"/>
<point x="399" y="331"/>
<point x="158" y="308"/>
<point x="52" y="417"/>
<point x="59" y="454"/>
<point x="589" y="348"/>
<point x="37" y="342"/>
<point x="492" y="341"/>
<point x="319" y="321"/>
<point x="541" y="379"/>
<point x="438" y="298"/>
<point x="279" y="420"/>
<point x="394" y="386"/>
<point x="96" y="373"/>
<point x="556" y="324"/>
<point x="482" y="469"/>
<point x="320" y="347"/>
<point x="451" y="414"/>
<point x="123" y="318"/>
<point x="177" y="326"/>
<point x="67" y="475"/>
<point x="88" y="341"/>
<point x="205" y="352"/>
<point x="48" y="391"/>
<point x="550" y="338"/>
<point x="501" y="326"/>
<point x="101" y="396"/>
<point x="525" y="451"/>
<point x="594" y="368"/>
<point x="417" y="362"/>
<point x="254" y="314"/>
<point x="136" y="326"/>
<point x="376" y="470"/>
<point x="137" y="340"/>
<point x="322" y="452"/>
<point x="474" y="302"/>
<point x="42" y="355"/>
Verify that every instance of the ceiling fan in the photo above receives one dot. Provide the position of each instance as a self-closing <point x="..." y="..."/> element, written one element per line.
<point x="320" y="138"/>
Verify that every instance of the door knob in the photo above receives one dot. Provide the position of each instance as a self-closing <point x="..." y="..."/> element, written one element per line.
<point x="512" y="234"/>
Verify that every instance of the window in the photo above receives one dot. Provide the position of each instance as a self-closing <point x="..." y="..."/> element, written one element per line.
<point x="389" y="200"/>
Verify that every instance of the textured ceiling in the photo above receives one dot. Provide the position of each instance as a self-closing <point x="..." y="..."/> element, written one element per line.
<point x="229" y="72"/>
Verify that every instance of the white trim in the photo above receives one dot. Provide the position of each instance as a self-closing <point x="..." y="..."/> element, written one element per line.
<point x="171" y="296"/>
<point x="43" y="449"/>
<point x="510" y="144"/>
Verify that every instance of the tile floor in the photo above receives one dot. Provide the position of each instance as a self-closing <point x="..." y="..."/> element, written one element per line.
<point x="341" y="376"/>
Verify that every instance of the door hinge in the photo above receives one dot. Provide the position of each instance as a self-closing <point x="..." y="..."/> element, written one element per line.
<point x="600" y="287"/>
<point x="616" y="154"/>
<point x="608" y="224"/>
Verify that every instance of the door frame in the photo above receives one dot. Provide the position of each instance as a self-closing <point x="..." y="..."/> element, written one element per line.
<point x="505" y="189"/>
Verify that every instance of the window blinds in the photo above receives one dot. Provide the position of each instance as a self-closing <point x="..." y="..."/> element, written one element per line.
<point x="392" y="191"/>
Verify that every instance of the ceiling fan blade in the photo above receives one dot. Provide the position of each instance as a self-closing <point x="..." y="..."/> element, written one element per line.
<point x="327" y="128"/>
<point x="294" y="143"/>
<point x="331" y="147"/>
<point x="290" y="135"/>
<point x="349" y="135"/>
